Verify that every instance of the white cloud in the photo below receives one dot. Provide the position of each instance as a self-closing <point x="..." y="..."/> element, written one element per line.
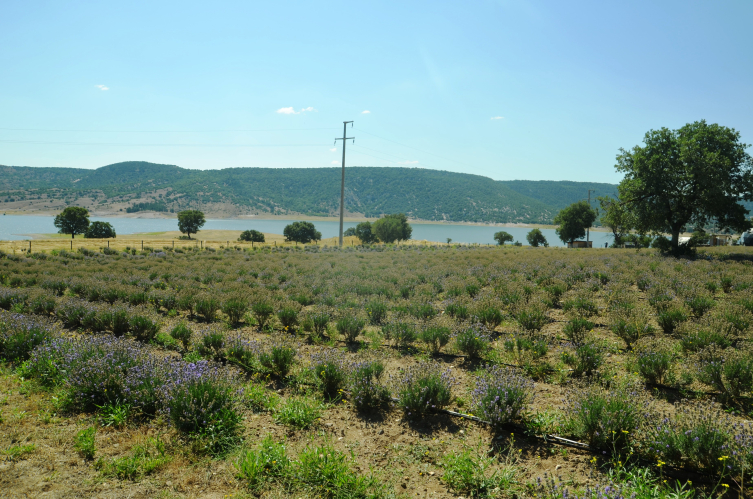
<point x="335" y="163"/>
<point x="407" y="162"/>
<point x="366" y="112"/>
<point x="102" y="87"/>
<point x="498" y="117"/>
<point x="333" y="149"/>
<point x="291" y="110"/>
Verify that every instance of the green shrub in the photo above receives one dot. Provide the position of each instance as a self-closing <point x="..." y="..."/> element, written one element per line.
<point x="698" y="339"/>
<point x="319" y="322"/>
<point x="422" y="387"/>
<point x="670" y="319"/>
<point x="143" y="328"/>
<point x="501" y="395"/>
<point x="206" y="308"/>
<point x="631" y="327"/>
<point x="473" y="342"/>
<point x="234" y="308"/>
<point x="586" y="359"/>
<point x="435" y="337"/>
<point x="278" y="359"/>
<point x="350" y="327"/>
<point x="423" y="311"/>
<point x="330" y="369"/>
<point x="403" y="333"/>
<point x="262" y="312"/>
<point x="377" y="312"/>
<point x="576" y="330"/>
<point x="212" y="345"/>
<point x="182" y="333"/>
<point x="731" y="373"/>
<point x="580" y="307"/>
<point x="366" y="391"/>
<point x="607" y="419"/>
<point x="491" y="317"/>
<point x="699" y="304"/>
<point x="457" y="311"/>
<point x="288" y="317"/>
<point x="532" y="318"/>
<point x="653" y="365"/>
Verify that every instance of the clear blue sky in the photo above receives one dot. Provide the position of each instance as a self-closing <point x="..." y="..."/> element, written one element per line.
<point x="176" y="82"/>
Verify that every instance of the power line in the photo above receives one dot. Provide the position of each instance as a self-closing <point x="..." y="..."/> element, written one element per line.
<point x="166" y="131"/>
<point x="40" y="142"/>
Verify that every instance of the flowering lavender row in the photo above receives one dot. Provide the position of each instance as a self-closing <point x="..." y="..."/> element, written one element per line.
<point x="20" y="334"/>
<point x="501" y="395"/>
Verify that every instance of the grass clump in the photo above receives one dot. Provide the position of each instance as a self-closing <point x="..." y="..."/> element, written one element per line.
<point x="473" y="342"/>
<point x="585" y="360"/>
<point x="278" y="359"/>
<point x="350" y="327"/>
<point x="84" y="443"/>
<point x="471" y="471"/>
<point x="298" y="412"/>
<point x="182" y="333"/>
<point x="328" y="472"/>
<point x="267" y="465"/>
<point x="145" y="459"/>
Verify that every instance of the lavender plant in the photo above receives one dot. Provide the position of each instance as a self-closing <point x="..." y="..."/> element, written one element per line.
<point x="423" y="387"/>
<point x="501" y="395"/>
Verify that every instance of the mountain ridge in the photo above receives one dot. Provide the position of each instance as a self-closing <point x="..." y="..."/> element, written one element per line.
<point x="422" y="194"/>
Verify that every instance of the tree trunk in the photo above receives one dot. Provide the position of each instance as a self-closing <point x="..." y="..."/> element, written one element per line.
<point x="73" y="235"/>
<point x="675" y="240"/>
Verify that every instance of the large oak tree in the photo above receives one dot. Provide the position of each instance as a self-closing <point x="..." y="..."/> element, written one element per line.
<point x="694" y="175"/>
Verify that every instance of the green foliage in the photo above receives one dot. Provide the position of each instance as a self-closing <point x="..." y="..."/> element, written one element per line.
<point x="301" y="232"/>
<point x="328" y="472"/>
<point x="574" y="220"/>
<point x="288" y="317"/>
<point x="278" y="360"/>
<point x="190" y="221"/>
<point x="262" y="312"/>
<point x="586" y="359"/>
<point x="471" y="471"/>
<point x="364" y="232"/>
<point x="536" y="238"/>
<point x="691" y="175"/>
<point x="100" y="230"/>
<point x="473" y="342"/>
<point x="84" y="443"/>
<point x="391" y="228"/>
<point x="350" y="327"/>
<point x="145" y="459"/>
<point x="502" y="237"/>
<point x="616" y="217"/>
<point x="72" y="220"/>
<point x="576" y="330"/>
<point x="298" y="412"/>
<point x="435" y="337"/>
<point x="377" y="312"/>
<point x="261" y="468"/>
<point x="252" y="236"/>
<point x="182" y="333"/>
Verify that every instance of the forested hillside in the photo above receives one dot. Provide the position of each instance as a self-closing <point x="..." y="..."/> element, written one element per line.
<point x="370" y="191"/>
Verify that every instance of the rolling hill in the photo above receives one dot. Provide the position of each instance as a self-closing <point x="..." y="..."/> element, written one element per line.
<point x="370" y="191"/>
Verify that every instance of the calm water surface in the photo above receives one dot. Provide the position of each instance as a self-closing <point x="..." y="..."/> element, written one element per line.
<point x="13" y="227"/>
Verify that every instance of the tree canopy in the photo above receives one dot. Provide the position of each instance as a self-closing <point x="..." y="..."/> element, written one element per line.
<point x="301" y="232"/>
<point x="697" y="174"/>
<point x="100" y="230"/>
<point x="72" y="220"/>
<point x="616" y="217"/>
<point x="574" y="220"/>
<point x="536" y="238"/>
<point x="190" y="221"/>
<point x="391" y="228"/>
<point x="364" y="232"/>
<point x="253" y="236"/>
<point x="502" y="237"/>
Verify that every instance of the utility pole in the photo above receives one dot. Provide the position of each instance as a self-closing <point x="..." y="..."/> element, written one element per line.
<point x="588" y="230"/>
<point x="342" y="183"/>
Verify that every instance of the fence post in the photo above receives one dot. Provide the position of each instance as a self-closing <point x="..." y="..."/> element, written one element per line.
<point x="29" y="245"/>
<point x="71" y="244"/>
<point x="142" y="245"/>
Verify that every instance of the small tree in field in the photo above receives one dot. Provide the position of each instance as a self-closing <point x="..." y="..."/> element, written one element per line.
<point x="253" y="236"/>
<point x="301" y="232"/>
<point x="502" y="237"/>
<point x="72" y="220"/>
<point x="364" y="232"/>
<point x="100" y="230"/>
<point x="190" y="221"/>
<point x="391" y="228"/>
<point x="574" y="220"/>
<point x="536" y="238"/>
<point x="617" y="217"/>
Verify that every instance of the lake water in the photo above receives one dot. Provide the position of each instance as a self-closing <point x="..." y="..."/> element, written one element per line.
<point x="13" y="227"/>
